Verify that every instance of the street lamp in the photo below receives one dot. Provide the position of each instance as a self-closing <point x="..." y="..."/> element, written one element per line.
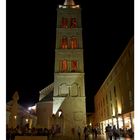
<point x="26" y="120"/>
<point x="59" y="113"/>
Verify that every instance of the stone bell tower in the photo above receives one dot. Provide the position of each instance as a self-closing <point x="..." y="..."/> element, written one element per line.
<point x="69" y="85"/>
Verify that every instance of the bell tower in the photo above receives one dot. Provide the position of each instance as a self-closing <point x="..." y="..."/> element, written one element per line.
<point x="69" y="85"/>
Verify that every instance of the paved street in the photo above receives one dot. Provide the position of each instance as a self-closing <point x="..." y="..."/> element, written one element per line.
<point x="99" y="137"/>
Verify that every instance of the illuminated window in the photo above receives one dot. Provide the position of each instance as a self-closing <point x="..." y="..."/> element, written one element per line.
<point x="73" y="23"/>
<point x="73" y="66"/>
<point x="63" y="66"/>
<point x="64" y="43"/>
<point x="64" y="23"/>
<point x="73" y="43"/>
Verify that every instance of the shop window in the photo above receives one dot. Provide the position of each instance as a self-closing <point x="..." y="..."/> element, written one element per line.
<point x="73" y="43"/>
<point x="64" y="23"/>
<point x="64" y="42"/>
<point x="63" y="66"/>
<point x="73" y="66"/>
<point x="73" y="23"/>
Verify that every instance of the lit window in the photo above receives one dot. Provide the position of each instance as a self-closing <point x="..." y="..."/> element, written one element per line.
<point x="73" y="43"/>
<point x="64" y="43"/>
<point x="73" y="23"/>
<point x="74" y="65"/>
<point x="64" y="23"/>
<point x="63" y="66"/>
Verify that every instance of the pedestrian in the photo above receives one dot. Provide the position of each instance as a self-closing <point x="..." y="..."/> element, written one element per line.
<point x="86" y="132"/>
<point x="107" y="131"/>
<point x="79" y="132"/>
<point x="115" y="132"/>
<point x="95" y="132"/>
<point x="110" y="133"/>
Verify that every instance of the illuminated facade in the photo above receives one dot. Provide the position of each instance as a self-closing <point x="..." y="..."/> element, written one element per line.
<point x="69" y="86"/>
<point x="44" y="107"/>
<point x="114" y="101"/>
<point x="66" y="107"/>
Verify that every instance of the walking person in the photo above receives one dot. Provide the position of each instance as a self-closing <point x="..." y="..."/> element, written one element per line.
<point x="115" y="132"/>
<point x="79" y="132"/>
<point x="95" y="132"/>
<point x="108" y="127"/>
<point x="110" y="133"/>
<point x="86" y="132"/>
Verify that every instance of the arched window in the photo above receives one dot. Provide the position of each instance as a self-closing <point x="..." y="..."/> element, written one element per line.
<point x="64" y="42"/>
<point x="64" y="23"/>
<point x="63" y="65"/>
<point x="73" y="66"/>
<point x="73" y="42"/>
<point x="74" y="89"/>
<point x="63" y="90"/>
<point x="73" y="23"/>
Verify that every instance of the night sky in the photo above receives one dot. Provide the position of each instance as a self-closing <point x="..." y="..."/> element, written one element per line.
<point x="108" y="25"/>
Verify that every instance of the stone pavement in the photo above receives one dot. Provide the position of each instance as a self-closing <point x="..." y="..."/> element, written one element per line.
<point x="99" y="137"/>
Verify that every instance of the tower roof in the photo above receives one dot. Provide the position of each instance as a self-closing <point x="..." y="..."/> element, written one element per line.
<point x="69" y="2"/>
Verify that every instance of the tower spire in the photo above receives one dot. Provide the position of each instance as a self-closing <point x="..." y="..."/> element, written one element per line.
<point x="69" y="2"/>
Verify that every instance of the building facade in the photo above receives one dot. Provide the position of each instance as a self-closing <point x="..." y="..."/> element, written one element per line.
<point x="69" y="101"/>
<point x="44" y="107"/>
<point x="69" y="86"/>
<point x="114" y="101"/>
<point x="21" y="117"/>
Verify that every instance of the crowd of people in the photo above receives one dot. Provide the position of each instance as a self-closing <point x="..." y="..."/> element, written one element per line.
<point x="26" y="131"/>
<point x="111" y="132"/>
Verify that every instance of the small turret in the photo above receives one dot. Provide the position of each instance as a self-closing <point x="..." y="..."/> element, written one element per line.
<point x="69" y="2"/>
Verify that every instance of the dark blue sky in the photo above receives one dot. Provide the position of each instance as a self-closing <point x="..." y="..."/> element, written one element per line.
<point x="30" y="44"/>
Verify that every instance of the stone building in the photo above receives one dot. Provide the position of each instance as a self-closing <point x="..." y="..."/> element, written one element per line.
<point x="64" y="104"/>
<point x="17" y="115"/>
<point x="114" y="101"/>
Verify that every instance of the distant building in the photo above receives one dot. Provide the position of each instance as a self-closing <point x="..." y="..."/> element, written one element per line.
<point x="90" y="119"/>
<point x="63" y="103"/>
<point x="114" y="101"/>
<point x="44" y="107"/>
<point x="21" y="119"/>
